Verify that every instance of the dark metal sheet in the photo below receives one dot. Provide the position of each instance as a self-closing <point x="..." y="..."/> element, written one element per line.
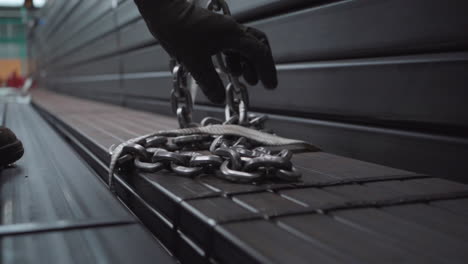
<point x="268" y="204"/>
<point x="55" y="21"/>
<point x="313" y="198"/>
<point x="152" y="219"/>
<point x="101" y="47"/>
<point x="459" y="207"/>
<point x="422" y="240"/>
<point x="205" y="218"/>
<point x="91" y="88"/>
<point x="342" y="167"/>
<point x="229" y="188"/>
<point x="61" y="226"/>
<point x="421" y="186"/>
<point x="338" y="37"/>
<point x="51" y="10"/>
<point x="148" y="59"/>
<point x="135" y="34"/>
<point x="415" y="25"/>
<point x="98" y="67"/>
<point x="198" y="217"/>
<point x="433" y="218"/>
<point x="103" y="245"/>
<point x="86" y="15"/>
<point x="311" y="176"/>
<point x="264" y="242"/>
<point x="165" y="191"/>
<point x="89" y="34"/>
<point x="362" y="192"/>
<point x="107" y="127"/>
<point x="188" y="252"/>
<point x="50" y="178"/>
<point x="369" y="90"/>
<point x="139" y="85"/>
<point x="59" y="203"/>
<point x="177" y="188"/>
<point x="126" y="12"/>
<point x="357" y="246"/>
<point x="70" y="25"/>
<point x="217" y="210"/>
<point x="346" y="197"/>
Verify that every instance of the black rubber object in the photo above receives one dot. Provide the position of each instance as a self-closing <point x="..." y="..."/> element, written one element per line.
<point x="10" y="153"/>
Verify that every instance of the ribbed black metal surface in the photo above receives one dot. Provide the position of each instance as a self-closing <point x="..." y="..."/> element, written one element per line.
<point x="356" y="77"/>
<point x="344" y="211"/>
<point x="55" y="210"/>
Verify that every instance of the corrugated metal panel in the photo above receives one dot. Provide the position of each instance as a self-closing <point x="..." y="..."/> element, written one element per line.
<point x="380" y="65"/>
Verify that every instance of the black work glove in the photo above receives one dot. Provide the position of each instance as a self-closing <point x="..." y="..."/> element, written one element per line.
<point x="192" y="34"/>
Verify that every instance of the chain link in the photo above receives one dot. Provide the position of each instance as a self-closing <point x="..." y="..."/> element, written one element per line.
<point x="232" y="158"/>
<point x="226" y="157"/>
<point x="181" y="99"/>
<point x="237" y="97"/>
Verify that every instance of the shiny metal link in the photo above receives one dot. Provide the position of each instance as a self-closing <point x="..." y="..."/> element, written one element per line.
<point x="267" y="161"/>
<point x="237" y="99"/>
<point x="169" y="157"/>
<point x="186" y="171"/>
<point x="206" y="161"/>
<point x="147" y="166"/>
<point x="137" y="150"/>
<point x="232" y="158"/>
<point x="181" y="99"/>
<point x="236" y="176"/>
<point x="289" y="175"/>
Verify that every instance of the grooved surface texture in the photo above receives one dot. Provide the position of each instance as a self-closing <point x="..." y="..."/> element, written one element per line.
<point x="54" y="209"/>
<point x="343" y="211"/>
<point x="377" y="80"/>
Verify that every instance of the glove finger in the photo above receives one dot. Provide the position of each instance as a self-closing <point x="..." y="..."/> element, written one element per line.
<point x="205" y="75"/>
<point x="259" y="35"/>
<point x="262" y="37"/>
<point x="249" y="72"/>
<point x="233" y="62"/>
<point x="239" y="66"/>
<point x="260" y="56"/>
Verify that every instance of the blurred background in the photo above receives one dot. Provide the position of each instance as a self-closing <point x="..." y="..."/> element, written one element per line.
<point x="377" y="80"/>
<point x="15" y="15"/>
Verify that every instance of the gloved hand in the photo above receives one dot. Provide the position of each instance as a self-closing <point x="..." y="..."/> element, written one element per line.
<point x="192" y="34"/>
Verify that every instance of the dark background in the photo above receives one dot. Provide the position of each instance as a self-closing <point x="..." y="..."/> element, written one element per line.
<point x="384" y="81"/>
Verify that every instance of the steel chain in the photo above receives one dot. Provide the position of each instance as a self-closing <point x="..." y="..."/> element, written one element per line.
<point x="235" y="158"/>
<point x="232" y="158"/>
<point x="181" y="99"/>
<point x="237" y="97"/>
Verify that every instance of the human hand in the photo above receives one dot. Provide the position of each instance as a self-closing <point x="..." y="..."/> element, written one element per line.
<point x="192" y="35"/>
